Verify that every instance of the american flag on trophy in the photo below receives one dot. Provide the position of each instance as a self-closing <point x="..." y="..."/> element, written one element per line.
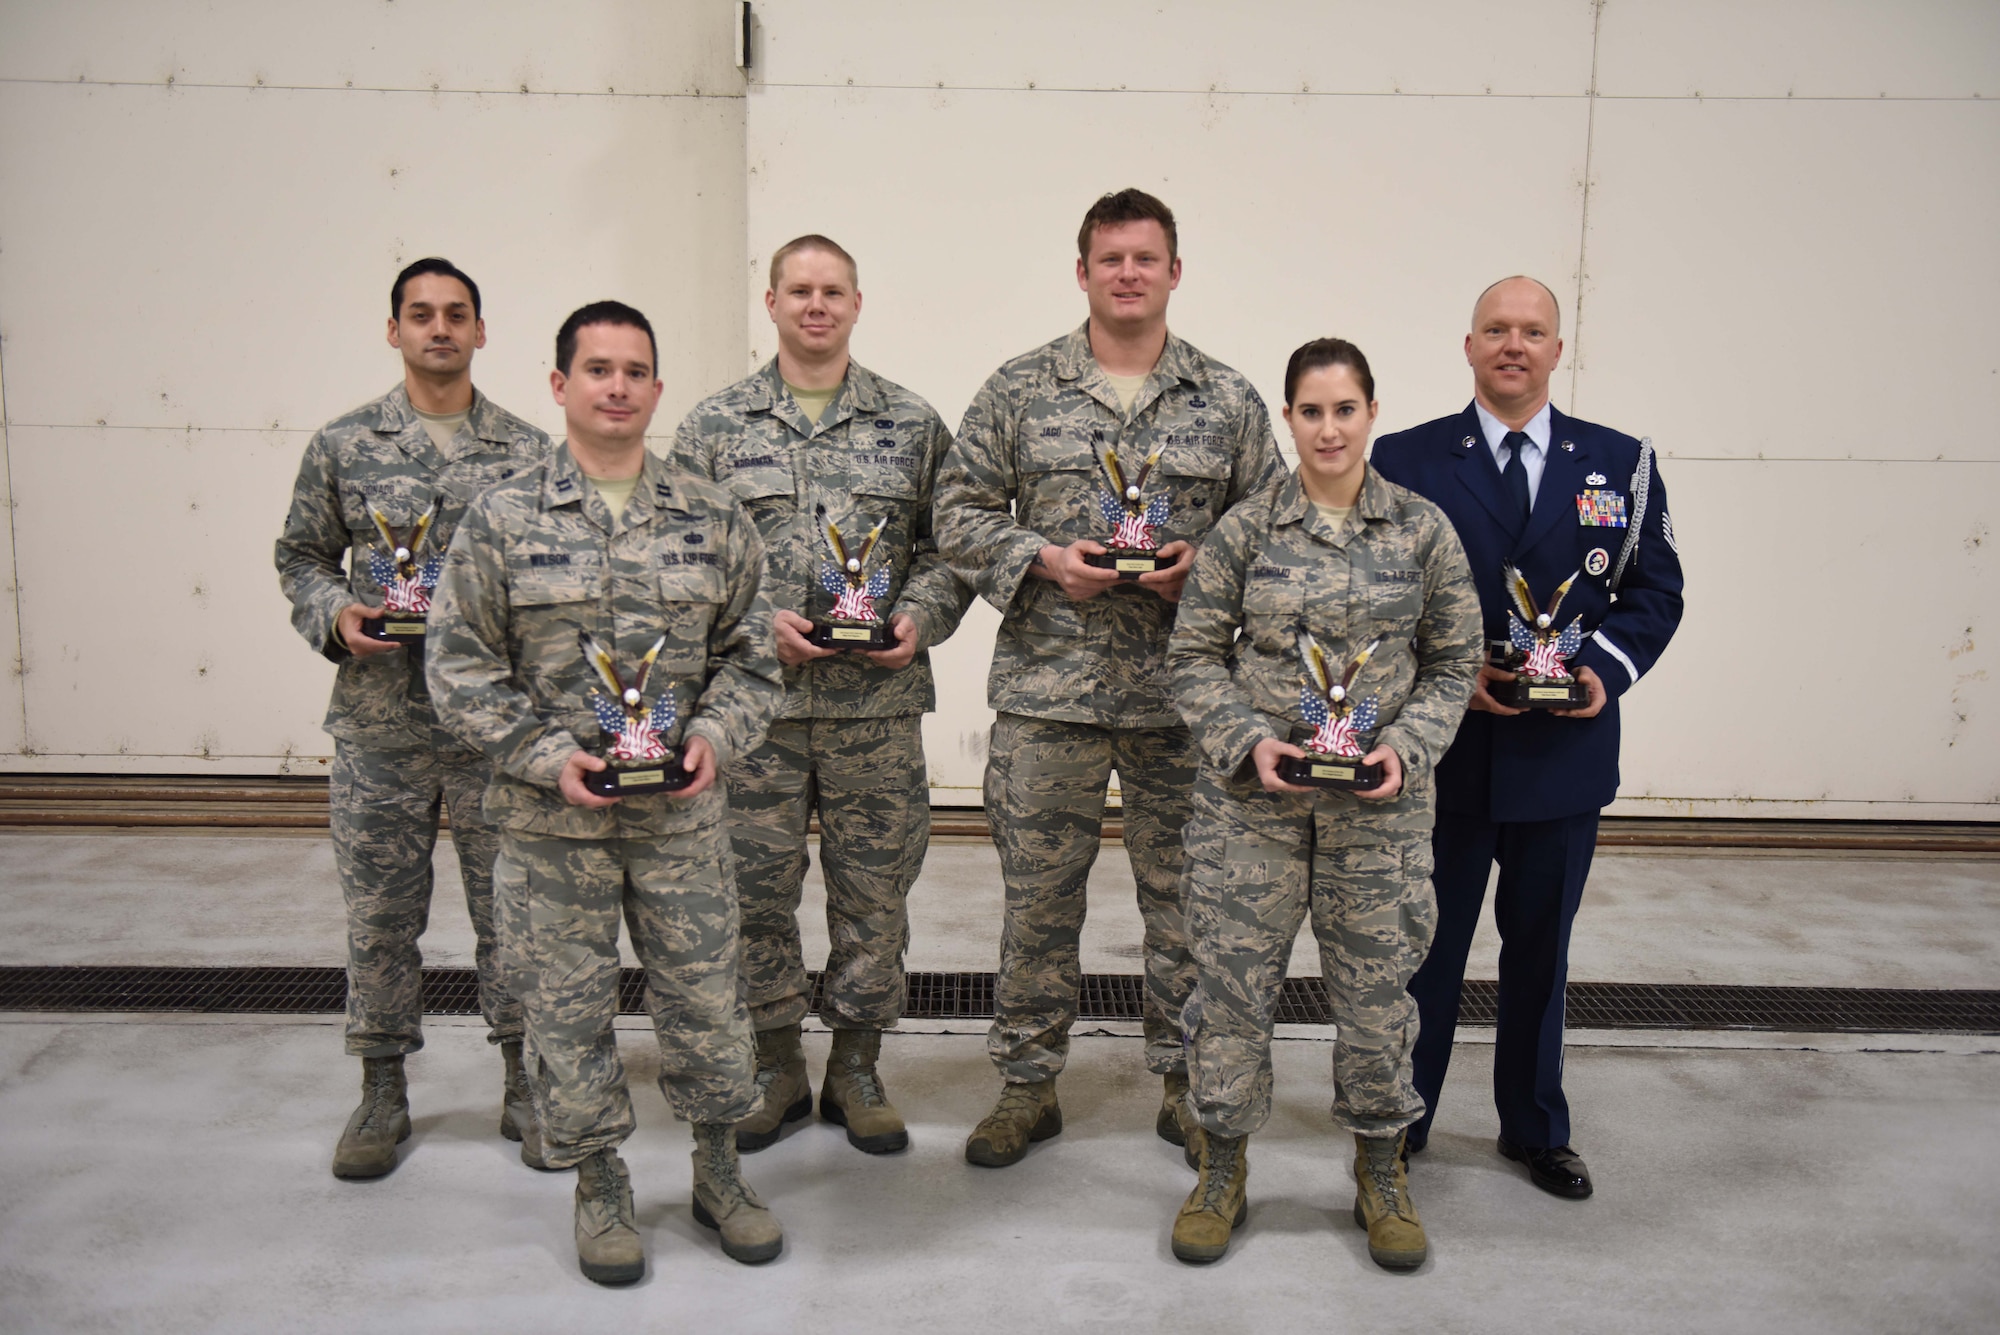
<point x="406" y="584"/>
<point x="1132" y="519"/>
<point x="637" y="730"/>
<point x="1531" y="629"/>
<point x="1328" y="704"/>
<point x="845" y="577"/>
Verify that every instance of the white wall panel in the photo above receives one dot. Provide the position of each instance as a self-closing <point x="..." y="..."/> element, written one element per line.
<point x="1747" y="268"/>
<point x="624" y="47"/>
<point x="12" y="727"/>
<point x="1455" y="47"/>
<point x="168" y="638"/>
<point x="1288" y="231"/>
<point x="1799" y="48"/>
<point x="1835" y="654"/>
<point x="226" y="261"/>
<point x="195" y="275"/>
<point x="1782" y="279"/>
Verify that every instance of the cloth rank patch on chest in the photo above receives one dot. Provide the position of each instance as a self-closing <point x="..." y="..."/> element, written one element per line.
<point x="1600" y="509"/>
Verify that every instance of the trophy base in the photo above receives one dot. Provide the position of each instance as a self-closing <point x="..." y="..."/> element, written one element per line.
<point x="1128" y="563"/>
<point x="631" y="780"/>
<point x="872" y="635"/>
<point x="1541" y="693"/>
<point x="1313" y="771"/>
<point x="395" y="628"/>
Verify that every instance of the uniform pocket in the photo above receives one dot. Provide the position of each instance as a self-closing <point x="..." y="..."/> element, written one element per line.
<point x="690" y="596"/>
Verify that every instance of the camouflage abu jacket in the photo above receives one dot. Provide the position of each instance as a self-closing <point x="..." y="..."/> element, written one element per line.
<point x="873" y="455"/>
<point x="1393" y="570"/>
<point x="535" y="561"/>
<point x="1025" y="473"/>
<point x="381" y="454"/>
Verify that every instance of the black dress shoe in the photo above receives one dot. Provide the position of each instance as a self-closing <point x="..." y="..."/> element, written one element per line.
<point x="1413" y="1145"/>
<point x="1558" y="1171"/>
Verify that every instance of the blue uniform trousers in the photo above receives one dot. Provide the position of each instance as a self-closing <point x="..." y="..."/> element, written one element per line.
<point x="1543" y="865"/>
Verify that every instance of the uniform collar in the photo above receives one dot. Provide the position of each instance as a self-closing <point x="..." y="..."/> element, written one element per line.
<point x="1537" y="429"/>
<point x="1178" y="363"/>
<point x="657" y="489"/>
<point x="860" y="393"/>
<point x="1293" y="506"/>
<point x="398" y="418"/>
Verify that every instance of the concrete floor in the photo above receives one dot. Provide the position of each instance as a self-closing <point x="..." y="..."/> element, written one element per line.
<point x="169" y="1173"/>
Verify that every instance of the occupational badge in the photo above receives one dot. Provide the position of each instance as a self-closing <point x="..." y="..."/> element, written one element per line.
<point x="1133" y="548"/>
<point x="407" y="577"/>
<point x="1540" y="652"/>
<point x="638" y="757"/>
<point x="1333" y="750"/>
<point x="853" y="623"/>
<point x="1597" y="562"/>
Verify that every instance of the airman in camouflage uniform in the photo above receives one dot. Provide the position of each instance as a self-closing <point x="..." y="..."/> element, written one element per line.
<point x="393" y="766"/>
<point x="1078" y="678"/>
<point x="1261" y="860"/>
<point x="537" y="560"/>
<point x="847" y="744"/>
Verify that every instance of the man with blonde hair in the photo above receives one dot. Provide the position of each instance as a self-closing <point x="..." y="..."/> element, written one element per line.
<point x="835" y="465"/>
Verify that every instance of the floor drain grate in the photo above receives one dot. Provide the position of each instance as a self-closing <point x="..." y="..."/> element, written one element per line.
<point x="1104" y="996"/>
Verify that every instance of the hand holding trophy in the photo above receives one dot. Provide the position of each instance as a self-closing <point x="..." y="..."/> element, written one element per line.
<point x="1333" y="752"/>
<point x="1134" y="549"/>
<point x="640" y="761"/>
<point x="407" y="585"/>
<point x="853" y="623"/>
<point x="1543" y="679"/>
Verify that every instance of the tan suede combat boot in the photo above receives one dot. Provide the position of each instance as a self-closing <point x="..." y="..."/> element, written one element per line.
<point x="852" y="1094"/>
<point x="1024" y="1114"/>
<point x="607" y="1234"/>
<point x="1382" y="1203"/>
<point x="517" y="1108"/>
<point x="367" y="1147"/>
<point x="1177" y="1124"/>
<point x="724" y="1202"/>
<point x="782" y="1080"/>
<point x="1219" y="1203"/>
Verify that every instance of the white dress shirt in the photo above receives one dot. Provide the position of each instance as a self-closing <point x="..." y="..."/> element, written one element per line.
<point x="1532" y="458"/>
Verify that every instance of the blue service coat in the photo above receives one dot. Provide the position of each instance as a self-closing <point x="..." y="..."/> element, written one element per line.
<point x="1534" y="766"/>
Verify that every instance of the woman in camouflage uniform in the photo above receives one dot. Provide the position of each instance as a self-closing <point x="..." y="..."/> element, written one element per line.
<point x="1337" y="558"/>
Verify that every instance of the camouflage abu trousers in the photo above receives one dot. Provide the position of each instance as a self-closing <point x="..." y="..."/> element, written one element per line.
<point x="1045" y="787"/>
<point x="867" y="780"/>
<point x="559" y="905"/>
<point x="1258" y="862"/>
<point x="384" y="809"/>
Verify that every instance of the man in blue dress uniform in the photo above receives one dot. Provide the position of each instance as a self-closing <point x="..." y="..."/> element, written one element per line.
<point x="1530" y="487"/>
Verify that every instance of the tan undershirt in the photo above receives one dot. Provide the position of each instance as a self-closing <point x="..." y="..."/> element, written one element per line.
<point x="1336" y="515"/>
<point x="1127" y="388"/>
<point x="812" y="402"/>
<point x="616" y="492"/>
<point x="441" y="429"/>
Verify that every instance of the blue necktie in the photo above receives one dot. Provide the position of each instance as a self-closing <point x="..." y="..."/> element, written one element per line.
<point x="1515" y="474"/>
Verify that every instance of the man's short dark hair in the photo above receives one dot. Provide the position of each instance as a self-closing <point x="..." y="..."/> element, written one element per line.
<point x="1129" y="205"/>
<point x="601" y="312"/>
<point x="436" y="264"/>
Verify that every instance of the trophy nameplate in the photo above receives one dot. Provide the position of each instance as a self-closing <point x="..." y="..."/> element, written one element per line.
<point x="853" y="622"/>
<point x="407" y="578"/>
<point x="1540" y="652"/>
<point x="1132" y="549"/>
<point x="1333" y="749"/>
<point x="638" y="759"/>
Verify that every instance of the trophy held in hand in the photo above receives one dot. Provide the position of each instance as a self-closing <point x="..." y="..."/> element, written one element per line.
<point x="407" y="579"/>
<point x="1133" y="549"/>
<point x="1540" y="652"/>
<point x="638" y="759"/>
<point x="853" y="623"/>
<point x="1333" y="750"/>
